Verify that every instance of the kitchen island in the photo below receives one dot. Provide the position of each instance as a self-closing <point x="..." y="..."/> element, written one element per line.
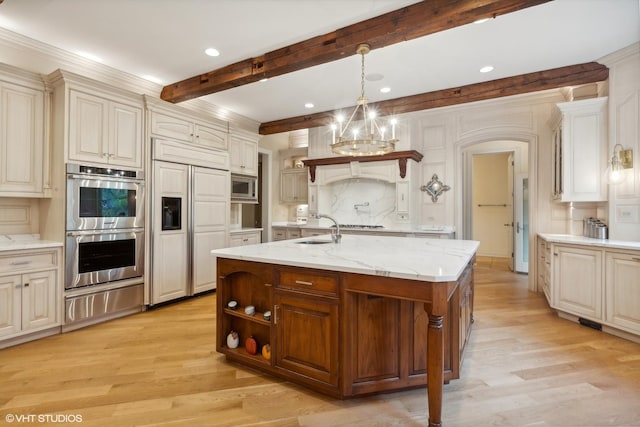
<point x="367" y="315"/>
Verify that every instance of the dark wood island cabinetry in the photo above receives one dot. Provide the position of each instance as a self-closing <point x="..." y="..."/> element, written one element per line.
<point x="345" y="333"/>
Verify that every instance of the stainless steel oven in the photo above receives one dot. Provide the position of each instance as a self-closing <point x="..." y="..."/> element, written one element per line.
<point x="101" y="198"/>
<point x="98" y="257"/>
<point x="104" y="248"/>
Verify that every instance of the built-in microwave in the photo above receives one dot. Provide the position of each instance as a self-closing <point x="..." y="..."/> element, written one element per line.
<point x="244" y="188"/>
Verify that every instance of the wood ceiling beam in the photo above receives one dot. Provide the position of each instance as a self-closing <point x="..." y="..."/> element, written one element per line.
<point x="417" y="20"/>
<point x="572" y="75"/>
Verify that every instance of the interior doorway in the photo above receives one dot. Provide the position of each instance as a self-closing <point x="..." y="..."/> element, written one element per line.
<point x="496" y="200"/>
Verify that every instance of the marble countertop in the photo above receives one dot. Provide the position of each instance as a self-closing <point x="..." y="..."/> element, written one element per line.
<point x="433" y="260"/>
<point x="15" y="242"/>
<point x="430" y="229"/>
<point x="588" y="241"/>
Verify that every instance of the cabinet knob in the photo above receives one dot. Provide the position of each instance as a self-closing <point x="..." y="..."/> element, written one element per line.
<point x="26" y="285"/>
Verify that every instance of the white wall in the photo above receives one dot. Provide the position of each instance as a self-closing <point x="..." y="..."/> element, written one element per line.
<point x="624" y="129"/>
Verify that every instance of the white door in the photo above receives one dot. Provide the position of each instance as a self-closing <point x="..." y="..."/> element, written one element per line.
<point x="521" y="227"/>
<point x="211" y="212"/>
<point x="170" y="273"/>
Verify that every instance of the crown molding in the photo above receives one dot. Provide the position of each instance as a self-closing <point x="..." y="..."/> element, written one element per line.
<point x="46" y="59"/>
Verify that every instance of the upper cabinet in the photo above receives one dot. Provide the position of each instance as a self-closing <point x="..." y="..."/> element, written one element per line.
<point x="23" y="148"/>
<point x="104" y="130"/>
<point x="170" y="121"/>
<point x="579" y="150"/>
<point x="243" y="152"/>
<point x="100" y="124"/>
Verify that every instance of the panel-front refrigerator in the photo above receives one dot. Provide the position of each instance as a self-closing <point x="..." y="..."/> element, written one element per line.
<point x="190" y="214"/>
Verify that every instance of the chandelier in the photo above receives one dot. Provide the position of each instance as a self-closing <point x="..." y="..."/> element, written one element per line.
<point x="361" y="135"/>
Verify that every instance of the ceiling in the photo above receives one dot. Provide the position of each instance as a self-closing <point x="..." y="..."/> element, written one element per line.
<point x="166" y="39"/>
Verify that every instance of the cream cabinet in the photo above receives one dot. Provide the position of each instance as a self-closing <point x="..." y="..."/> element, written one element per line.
<point x="278" y="233"/>
<point x="104" y="129"/>
<point x="579" y="150"/>
<point x="245" y="238"/>
<point x="293" y="186"/>
<point x="189" y="129"/>
<point x="623" y="290"/>
<point x="578" y="280"/>
<point x="243" y="153"/>
<point x="30" y="295"/>
<point x="544" y="269"/>
<point x="95" y="123"/>
<point x="23" y="149"/>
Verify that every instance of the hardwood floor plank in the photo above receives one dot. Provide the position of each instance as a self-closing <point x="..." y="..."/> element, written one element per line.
<point x="524" y="366"/>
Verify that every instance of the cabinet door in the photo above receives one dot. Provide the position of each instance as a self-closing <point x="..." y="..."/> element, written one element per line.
<point x="243" y="155"/>
<point x="39" y="302"/>
<point x="211" y="137"/>
<point x="170" y="246"/>
<point x="21" y="140"/>
<point x="10" y="304"/>
<point x="577" y="283"/>
<point x="293" y="186"/>
<point x="307" y="331"/>
<point x="623" y="290"/>
<point x="211" y="212"/>
<point x="172" y="127"/>
<point x="88" y="128"/>
<point x="125" y="139"/>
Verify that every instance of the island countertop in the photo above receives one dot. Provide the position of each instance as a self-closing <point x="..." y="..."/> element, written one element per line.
<point x="433" y="260"/>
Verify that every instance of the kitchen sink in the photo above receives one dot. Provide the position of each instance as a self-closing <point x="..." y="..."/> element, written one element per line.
<point x="314" y="242"/>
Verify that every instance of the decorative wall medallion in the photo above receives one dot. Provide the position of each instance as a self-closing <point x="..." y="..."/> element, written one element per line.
<point x="435" y="188"/>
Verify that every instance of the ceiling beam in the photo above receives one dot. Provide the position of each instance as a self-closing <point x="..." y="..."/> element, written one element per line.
<point x="411" y="22"/>
<point x="572" y="75"/>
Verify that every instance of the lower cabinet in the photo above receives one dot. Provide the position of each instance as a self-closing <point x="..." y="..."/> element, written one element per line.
<point x="622" y="284"/>
<point x="578" y="279"/>
<point x="594" y="282"/>
<point x="326" y="336"/>
<point x="30" y="298"/>
<point x="244" y="238"/>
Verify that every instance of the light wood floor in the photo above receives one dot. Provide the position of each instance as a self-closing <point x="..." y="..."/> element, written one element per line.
<point x="524" y="367"/>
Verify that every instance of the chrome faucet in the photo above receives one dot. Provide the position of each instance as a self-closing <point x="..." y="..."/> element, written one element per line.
<point x="334" y="236"/>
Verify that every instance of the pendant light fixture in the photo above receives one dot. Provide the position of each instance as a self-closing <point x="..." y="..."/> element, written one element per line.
<point x="361" y="135"/>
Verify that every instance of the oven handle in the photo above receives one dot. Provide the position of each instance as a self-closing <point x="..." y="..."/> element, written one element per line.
<point x="107" y="231"/>
<point x="105" y="178"/>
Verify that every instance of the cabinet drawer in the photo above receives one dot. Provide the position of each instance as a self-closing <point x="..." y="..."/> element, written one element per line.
<point x="25" y="262"/>
<point x="320" y="282"/>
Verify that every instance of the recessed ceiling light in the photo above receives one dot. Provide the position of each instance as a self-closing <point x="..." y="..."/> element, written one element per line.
<point x="309" y="105"/>
<point x="264" y="80"/>
<point x="385" y="89"/>
<point x="480" y="21"/>
<point x="486" y="68"/>
<point x="212" y="52"/>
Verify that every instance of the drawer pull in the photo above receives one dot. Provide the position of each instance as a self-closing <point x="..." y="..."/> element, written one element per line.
<point x="21" y="262"/>
<point x="302" y="282"/>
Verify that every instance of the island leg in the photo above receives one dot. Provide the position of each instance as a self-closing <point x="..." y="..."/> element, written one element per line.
<point x="435" y="365"/>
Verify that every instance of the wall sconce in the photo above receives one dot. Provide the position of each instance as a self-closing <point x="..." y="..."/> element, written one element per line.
<point x="621" y="160"/>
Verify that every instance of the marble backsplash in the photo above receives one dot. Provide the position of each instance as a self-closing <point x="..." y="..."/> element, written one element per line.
<point x="359" y="201"/>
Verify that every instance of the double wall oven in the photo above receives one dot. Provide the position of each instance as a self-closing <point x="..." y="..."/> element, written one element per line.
<point x="104" y="248"/>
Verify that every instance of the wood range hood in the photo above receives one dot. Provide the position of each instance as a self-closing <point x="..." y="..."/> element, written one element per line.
<point x="400" y="156"/>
